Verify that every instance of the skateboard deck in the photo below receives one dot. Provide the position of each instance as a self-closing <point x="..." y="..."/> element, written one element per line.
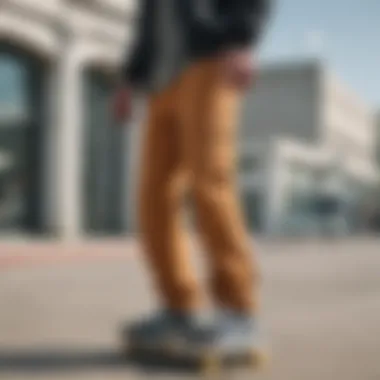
<point x="207" y="362"/>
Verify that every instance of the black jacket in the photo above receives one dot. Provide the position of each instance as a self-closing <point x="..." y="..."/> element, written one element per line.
<point x="234" y="23"/>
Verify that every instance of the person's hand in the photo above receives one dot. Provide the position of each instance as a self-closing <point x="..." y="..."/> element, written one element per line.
<point x="239" y="68"/>
<point x="121" y="104"/>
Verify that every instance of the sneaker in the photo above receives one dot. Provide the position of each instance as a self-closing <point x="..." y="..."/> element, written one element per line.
<point x="163" y="330"/>
<point x="233" y="333"/>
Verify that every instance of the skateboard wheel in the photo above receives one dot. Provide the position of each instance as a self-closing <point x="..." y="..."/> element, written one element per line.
<point x="260" y="360"/>
<point x="130" y="348"/>
<point x="126" y="350"/>
<point x="210" y="365"/>
<point x="170" y="348"/>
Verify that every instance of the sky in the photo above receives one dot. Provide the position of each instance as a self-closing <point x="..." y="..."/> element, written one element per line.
<point x="344" y="33"/>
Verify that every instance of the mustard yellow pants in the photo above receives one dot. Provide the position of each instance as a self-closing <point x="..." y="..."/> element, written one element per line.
<point x="189" y="148"/>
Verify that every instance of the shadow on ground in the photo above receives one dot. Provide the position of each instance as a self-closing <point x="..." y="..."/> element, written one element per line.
<point x="67" y="360"/>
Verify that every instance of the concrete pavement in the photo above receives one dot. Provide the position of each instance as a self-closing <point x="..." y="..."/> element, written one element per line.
<point x="59" y="318"/>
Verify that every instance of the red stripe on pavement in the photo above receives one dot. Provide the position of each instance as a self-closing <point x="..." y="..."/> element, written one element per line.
<point x="20" y="256"/>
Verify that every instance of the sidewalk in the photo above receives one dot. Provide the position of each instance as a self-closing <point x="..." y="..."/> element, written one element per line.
<point x="321" y="311"/>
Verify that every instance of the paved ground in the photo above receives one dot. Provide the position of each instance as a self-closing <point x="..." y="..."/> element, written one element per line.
<point x="59" y="317"/>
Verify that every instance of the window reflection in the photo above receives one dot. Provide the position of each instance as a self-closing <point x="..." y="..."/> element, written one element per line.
<point x="20" y="85"/>
<point x="252" y="201"/>
<point x="103" y="187"/>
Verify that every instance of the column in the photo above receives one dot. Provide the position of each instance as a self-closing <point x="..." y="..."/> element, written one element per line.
<point x="68" y="152"/>
<point x="275" y="186"/>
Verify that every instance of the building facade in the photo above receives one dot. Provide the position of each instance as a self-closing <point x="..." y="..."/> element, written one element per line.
<point x="304" y="136"/>
<point x="66" y="171"/>
<point x="63" y="166"/>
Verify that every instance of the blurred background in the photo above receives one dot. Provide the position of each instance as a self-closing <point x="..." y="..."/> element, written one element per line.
<point x="309" y="143"/>
<point x="309" y="171"/>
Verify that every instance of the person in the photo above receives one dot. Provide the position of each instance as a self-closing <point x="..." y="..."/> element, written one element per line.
<point x="194" y="60"/>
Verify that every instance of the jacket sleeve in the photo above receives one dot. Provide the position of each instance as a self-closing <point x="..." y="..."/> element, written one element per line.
<point x="244" y="24"/>
<point x="137" y="59"/>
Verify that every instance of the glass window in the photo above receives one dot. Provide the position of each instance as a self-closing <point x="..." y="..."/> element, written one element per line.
<point x="104" y="159"/>
<point x="20" y="140"/>
<point x="252" y="202"/>
<point x="13" y="94"/>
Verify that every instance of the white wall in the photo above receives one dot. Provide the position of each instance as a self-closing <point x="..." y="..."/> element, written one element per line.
<point x="348" y="122"/>
<point x="284" y="102"/>
<point x="299" y="113"/>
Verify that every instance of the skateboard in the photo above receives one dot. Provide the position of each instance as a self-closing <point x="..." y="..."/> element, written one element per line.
<point x="205" y="361"/>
